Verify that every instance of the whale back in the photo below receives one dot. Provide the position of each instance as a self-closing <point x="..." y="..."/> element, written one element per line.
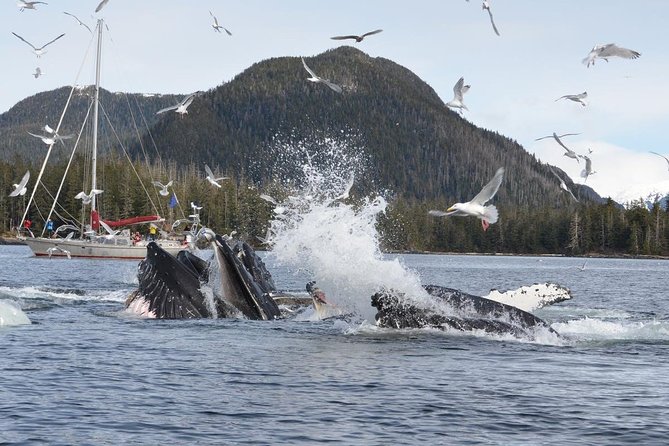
<point x="454" y="309"/>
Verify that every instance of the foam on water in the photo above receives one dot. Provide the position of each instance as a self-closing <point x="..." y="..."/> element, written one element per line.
<point x="589" y="329"/>
<point x="331" y="237"/>
<point x="62" y="296"/>
<point x="10" y="314"/>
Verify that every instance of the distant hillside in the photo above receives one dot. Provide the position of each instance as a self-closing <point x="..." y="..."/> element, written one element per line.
<point x="417" y="147"/>
<point x="32" y="113"/>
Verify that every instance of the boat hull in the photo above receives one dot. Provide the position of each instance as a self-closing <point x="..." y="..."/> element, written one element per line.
<point x="104" y="249"/>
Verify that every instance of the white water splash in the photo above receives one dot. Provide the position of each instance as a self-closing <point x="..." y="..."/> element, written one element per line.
<point x="333" y="238"/>
<point x="63" y="295"/>
<point x="590" y="329"/>
<point x="10" y="314"/>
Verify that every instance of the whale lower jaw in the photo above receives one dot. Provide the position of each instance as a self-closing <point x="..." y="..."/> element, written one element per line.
<point x="453" y="309"/>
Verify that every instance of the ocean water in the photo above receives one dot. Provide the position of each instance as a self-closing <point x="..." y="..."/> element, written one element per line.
<point x="84" y="371"/>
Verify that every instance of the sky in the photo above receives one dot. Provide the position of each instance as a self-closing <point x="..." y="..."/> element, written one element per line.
<point x="169" y="46"/>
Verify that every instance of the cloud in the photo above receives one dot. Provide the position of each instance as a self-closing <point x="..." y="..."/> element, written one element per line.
<point x="621" y="173"/>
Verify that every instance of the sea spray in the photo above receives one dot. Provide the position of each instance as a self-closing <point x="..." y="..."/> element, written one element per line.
<point x="10" y="314"/>
<point x="320" y="230"/>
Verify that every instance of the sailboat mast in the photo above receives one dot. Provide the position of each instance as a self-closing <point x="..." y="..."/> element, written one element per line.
<point x="94" y="157"/>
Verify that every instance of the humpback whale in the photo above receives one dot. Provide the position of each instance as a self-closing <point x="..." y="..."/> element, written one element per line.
<point x="451" y="308"/>
<point x="170" y="287"/>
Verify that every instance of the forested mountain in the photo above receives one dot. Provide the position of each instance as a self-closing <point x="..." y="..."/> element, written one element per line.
<point x="126" y="113"/>
<point x="416" y="146"/>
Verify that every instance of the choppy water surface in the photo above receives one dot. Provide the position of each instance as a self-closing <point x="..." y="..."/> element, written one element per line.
<point x="86" y="372"/>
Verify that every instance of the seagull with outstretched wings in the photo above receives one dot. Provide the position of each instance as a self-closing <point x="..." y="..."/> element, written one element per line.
<point x="359" y="38"/>
<point x="476" y="206"/>
<point x="20" y="188"/>
<point x="315" y="78"/>
<point x="38" y="50"/>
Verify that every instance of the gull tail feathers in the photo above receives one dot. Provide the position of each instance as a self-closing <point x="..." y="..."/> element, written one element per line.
<point x="490" y="214"/>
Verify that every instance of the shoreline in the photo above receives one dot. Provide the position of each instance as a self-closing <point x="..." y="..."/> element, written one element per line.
<point x="10" y="241"/>
<point x="593" y="255"/>
<point x="13" y="241"/>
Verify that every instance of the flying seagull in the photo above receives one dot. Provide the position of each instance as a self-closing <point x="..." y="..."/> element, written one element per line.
<point x="101" y="5"/>
<point x="475" y="207"/>
<point x="315" y="78"/>
<point x="210" y="177"/>
<point x="110" y="232"/>
<point x="164" y="192"/>
<point x="21" y="189"/>
<point x="218" y="27"/>
<point x="667" y="159"/>
<point x="49" y="140"/>
<point x="181" y="107"/>
<point x="486" y="6"/>
<point x="28" y="5"/>
<point x="563" y="185"/>
<point x="87" y="198"/>
<point x="609" y="50"/>
<point x="459" y="89"/>
<point x="357" y="38"/>
<point x="587" y="171"/>
<point x="580" y="98"/>
<point x="277" y="208"/>
<point x="570" y="153"/>
<point x="38" y="72"/>
<point x="80" y="22"/>
<point x="54" y="249"/>
<point x="269" y="199"/>
<point x="38" y="51"/>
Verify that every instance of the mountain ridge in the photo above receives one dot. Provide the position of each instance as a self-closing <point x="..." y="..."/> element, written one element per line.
<point x="418" y="148"/>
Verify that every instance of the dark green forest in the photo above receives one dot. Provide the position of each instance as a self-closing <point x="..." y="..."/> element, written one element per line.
<point x="573" y="229"/>
<point x="398" y="137"/>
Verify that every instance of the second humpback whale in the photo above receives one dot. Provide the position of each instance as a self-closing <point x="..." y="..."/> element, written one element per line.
<point x="451" y="308"/>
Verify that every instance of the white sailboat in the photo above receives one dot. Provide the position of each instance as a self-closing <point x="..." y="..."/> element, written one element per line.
<point x="99" y="239"/>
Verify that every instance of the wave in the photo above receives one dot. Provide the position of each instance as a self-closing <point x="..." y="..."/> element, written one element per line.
<point x="31" y="297"/>
<point x="591" y="329"/>
<point x="11" y="315"/>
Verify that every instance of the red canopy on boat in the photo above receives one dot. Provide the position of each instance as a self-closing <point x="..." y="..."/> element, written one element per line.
<point x="133" y="221"/>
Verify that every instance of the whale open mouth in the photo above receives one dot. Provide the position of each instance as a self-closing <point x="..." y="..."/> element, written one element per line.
<point x="171" y="287"/>
<point x="317" y="294"/>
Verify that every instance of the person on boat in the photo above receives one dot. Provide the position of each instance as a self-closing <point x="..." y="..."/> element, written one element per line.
<point x="152" y="232"/>
<point x="136" y="238"/>
<point x="49" y="227"/>
<point x="27" y="224"/>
